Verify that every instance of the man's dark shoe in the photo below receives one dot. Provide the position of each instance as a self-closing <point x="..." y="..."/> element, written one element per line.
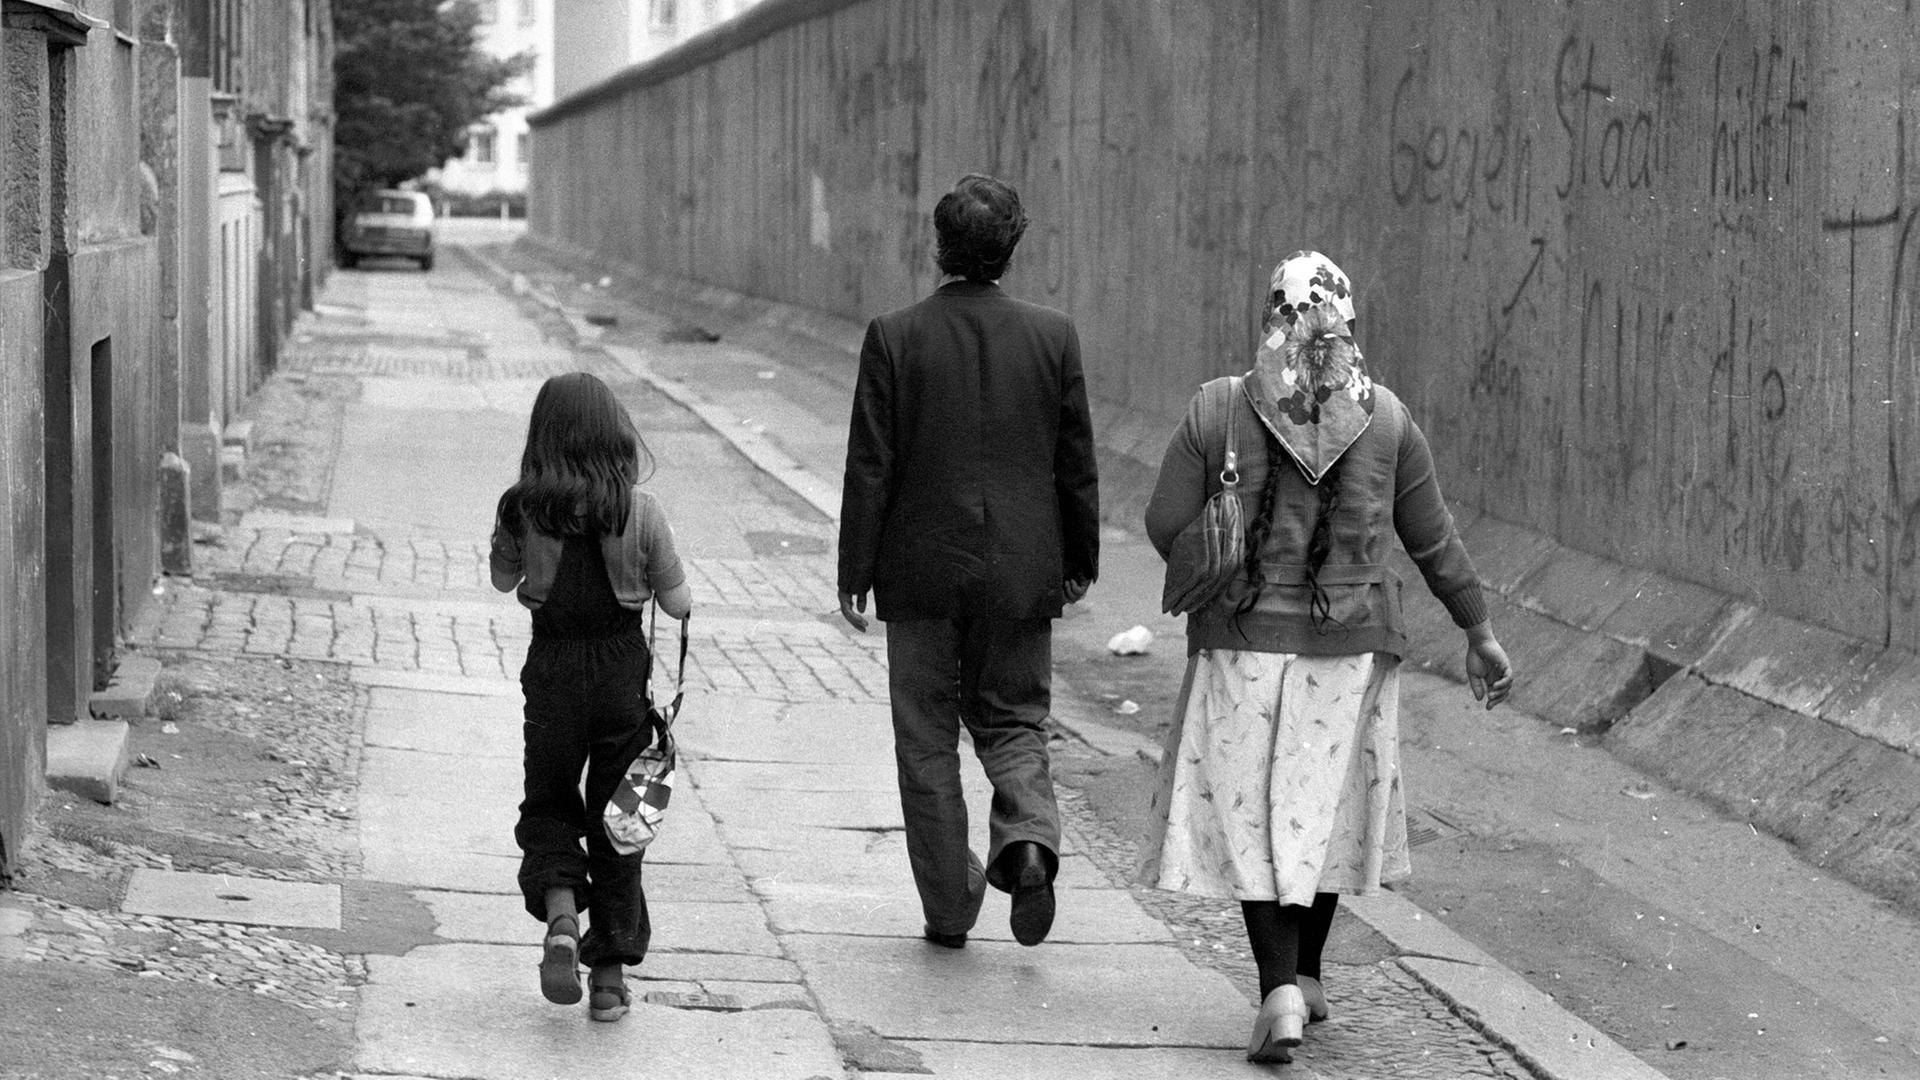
<point x="1032" y="893"/>
<point x="945" y="941"/>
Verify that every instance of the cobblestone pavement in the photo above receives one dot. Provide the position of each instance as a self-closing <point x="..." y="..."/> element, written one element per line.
<point x="296" y="589"/>
<point x="292" y="820"/>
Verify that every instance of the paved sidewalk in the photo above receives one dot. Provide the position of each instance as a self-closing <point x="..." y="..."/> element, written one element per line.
<point x="786" y="928"/>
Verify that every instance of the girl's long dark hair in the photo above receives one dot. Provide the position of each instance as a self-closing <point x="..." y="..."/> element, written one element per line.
<point x="583" y="458"/>
<point x="1319" y="542"/>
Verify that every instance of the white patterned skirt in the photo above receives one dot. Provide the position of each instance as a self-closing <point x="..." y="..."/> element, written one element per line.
<point x="1280" y="779"/>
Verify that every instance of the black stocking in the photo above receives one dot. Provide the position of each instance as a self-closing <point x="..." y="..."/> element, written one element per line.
<point x="1274" y="932"/>
<point x="1313" y="931"/>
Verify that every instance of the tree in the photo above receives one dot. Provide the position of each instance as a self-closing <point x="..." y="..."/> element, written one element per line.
<point x="410" y="80"/>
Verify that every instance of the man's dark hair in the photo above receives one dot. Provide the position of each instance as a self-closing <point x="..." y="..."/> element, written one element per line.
<point x="976" y="226"/>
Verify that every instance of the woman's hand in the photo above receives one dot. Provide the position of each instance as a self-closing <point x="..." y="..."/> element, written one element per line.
<point x="1489" y="672"/>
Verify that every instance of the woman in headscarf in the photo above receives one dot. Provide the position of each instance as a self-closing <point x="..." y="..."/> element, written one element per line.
<point x="1280" y="787"/>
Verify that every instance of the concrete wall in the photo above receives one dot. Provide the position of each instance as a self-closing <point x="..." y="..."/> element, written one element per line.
<point x="1642" y="269"/>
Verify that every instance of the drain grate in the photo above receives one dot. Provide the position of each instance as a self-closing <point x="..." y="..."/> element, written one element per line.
<point x="1425" y="826"/>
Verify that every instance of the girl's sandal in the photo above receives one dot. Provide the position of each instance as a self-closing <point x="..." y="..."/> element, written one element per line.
<point x="560" y="961"/>
<point x="609" y="1002"/>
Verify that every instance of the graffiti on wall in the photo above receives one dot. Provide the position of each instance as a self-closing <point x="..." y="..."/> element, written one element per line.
<point x="1638" y="143"/>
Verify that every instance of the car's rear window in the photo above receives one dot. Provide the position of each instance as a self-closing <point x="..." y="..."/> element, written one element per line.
<point x="392" y="204"/>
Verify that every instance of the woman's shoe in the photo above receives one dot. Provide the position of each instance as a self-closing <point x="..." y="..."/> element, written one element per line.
<point x="1316" y="996"/>
<point x="609" y="1001"/>
<point x="560" y="961"/>
<point x="1279" y="1027"/>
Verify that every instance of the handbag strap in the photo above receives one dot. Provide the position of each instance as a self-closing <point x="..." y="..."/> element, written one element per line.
<point x="679" y="670"/>
<point x="1230" y="460"/>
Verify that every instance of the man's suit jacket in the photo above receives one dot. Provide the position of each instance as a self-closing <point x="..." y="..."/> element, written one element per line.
<point x="971" y="488"/>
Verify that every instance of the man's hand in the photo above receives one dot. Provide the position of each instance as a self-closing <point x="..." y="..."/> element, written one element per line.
<point x="1075" y="588"/>
<point x="853" y="609"/>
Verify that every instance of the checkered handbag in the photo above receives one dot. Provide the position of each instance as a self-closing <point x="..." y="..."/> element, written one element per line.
<point x="638" y="806"/>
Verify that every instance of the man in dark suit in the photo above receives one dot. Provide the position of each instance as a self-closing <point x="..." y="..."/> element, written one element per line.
<point x="971" y="510"/>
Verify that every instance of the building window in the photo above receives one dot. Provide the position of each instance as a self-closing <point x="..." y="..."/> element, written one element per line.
<point x="529" y="12"/>
<point x="522" y="148"/>
<point x="227" y="38"/>
<point x="664" y="14"/>
<point x="481" y="148"/>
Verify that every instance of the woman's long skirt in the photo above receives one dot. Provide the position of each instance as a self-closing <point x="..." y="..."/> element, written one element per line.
<point x="1280" y="779"/>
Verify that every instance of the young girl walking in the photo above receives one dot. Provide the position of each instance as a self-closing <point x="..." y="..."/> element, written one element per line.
<point x="585" y="549"/>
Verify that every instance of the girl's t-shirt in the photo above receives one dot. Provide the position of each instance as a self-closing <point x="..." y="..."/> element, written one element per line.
<point x="647" y="562"/>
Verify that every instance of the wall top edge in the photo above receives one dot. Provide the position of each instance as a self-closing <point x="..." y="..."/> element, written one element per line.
<point x="757" y="23"/>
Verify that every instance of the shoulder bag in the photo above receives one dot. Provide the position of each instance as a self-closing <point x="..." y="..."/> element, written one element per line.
<point x="1208" y="553"/>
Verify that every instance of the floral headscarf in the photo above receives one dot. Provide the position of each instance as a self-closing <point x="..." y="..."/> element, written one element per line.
<point x="1309" y="384"/>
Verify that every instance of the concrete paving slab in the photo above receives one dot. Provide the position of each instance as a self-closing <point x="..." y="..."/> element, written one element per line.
<point x="695" y="882"/>
<point x="736" y="927"/>
<point x="737" y="728"/>
<point x="432" y="683"/>
<point x="1084" y="995"/>
<point x="1082" y="916"/>
<point x="827" y="809"/>
<point x="826" y="844"/>
<point x="474" y="1011"/>
<point x="794" y="776"/>
<point x="445" y="723"/>
<point x="1025" y="1061"/>
<point x="743" y="995"/>
<point x="870" y="862"/>
<point x="689" y="837"/>
<point x="439" y="822"/>
<point x="469" y="471"/>
<point x="174" y="894"/>
<point x="671" y="964"/>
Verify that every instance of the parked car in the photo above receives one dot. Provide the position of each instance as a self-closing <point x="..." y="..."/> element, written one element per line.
<point x="390" y="223"/>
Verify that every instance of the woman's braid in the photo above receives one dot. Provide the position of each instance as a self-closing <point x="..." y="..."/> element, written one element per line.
<point x="1261" y="527"/>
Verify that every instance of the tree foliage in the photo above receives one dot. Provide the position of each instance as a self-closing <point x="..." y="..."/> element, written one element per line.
<point x="410" y="79"/>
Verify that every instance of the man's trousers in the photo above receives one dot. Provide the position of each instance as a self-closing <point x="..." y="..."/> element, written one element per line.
<point x="995" y="676"/>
